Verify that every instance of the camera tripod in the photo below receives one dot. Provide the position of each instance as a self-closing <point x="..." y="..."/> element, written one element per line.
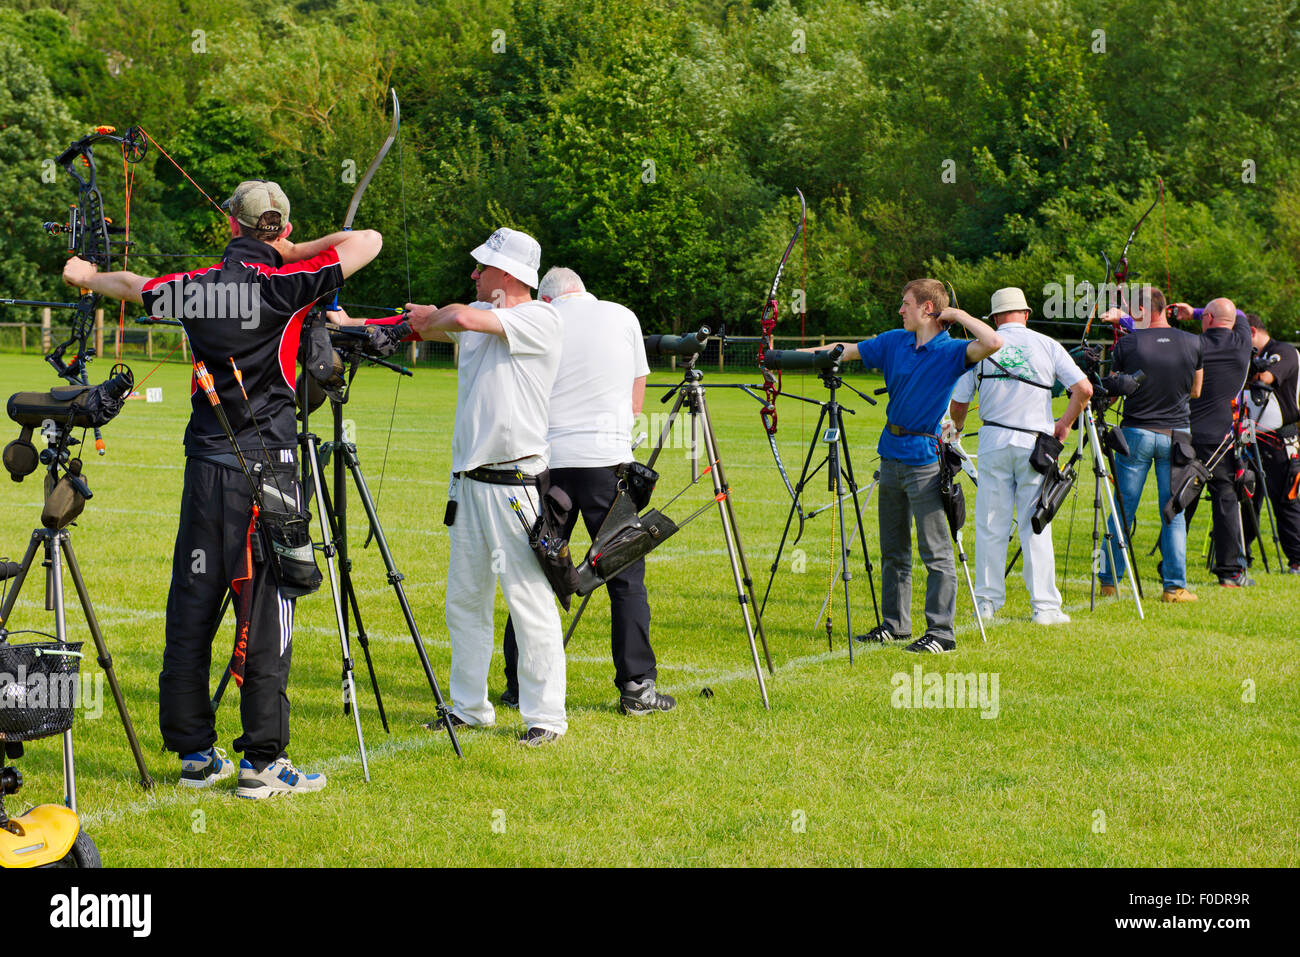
<point x="335" y="537"/>
<point x="690" y="396"/>
<point x="1250" y="446"/>
<point x="841" y="483"/>
<point x="54" y="541"/>
<point x="1098" y="441"/>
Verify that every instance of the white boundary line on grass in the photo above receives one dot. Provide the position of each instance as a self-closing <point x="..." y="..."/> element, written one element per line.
<point x="161" y="798"/>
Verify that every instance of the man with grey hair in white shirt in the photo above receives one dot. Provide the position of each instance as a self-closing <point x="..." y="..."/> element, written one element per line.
<point x="598" y="391"/>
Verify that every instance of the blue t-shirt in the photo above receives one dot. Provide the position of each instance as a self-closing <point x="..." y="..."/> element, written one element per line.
<point x="920" y="383"/>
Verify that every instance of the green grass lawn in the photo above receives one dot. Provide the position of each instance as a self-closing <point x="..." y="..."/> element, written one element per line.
<point x="1116" y="741"/>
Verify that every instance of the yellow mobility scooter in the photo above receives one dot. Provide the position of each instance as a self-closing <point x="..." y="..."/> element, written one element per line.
<point x="38" y="687"/>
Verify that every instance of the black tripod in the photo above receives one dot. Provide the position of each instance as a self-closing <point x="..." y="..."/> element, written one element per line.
<point x="840" y="482"/>
<point x="346" y="463"/>
<point x="55" y="543"/>
<point x="690" y="395"/>
<point x="1249" y="445"/>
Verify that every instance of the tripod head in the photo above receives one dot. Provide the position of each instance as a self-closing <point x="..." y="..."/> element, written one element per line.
<point x="330" y="356"/>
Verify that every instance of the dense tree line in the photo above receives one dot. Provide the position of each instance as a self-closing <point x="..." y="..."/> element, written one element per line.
<point x="656" y="146"/>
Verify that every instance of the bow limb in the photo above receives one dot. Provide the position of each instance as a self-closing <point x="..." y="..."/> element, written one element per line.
<point x="771" y="381"/>
<point x="360" y="191"/>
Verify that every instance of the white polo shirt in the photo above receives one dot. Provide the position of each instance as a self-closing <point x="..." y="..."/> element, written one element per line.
<point x="591" y="403"/>
<point x="1028" y="354"/>
<point x="503" y="388"/>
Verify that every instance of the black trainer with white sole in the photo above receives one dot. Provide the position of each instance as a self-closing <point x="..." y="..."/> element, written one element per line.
<point x="880" y="635"/>
<point x="641" y="697"/>
<point x="932" y="644"/>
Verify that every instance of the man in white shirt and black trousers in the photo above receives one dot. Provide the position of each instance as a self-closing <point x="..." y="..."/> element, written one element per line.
<point x="598" y="391"/>
<point x="509" y="354"/>
<point x="1015" y="404"/>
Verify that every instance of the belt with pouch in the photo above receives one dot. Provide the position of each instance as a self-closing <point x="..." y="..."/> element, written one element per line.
<point x="900" y="431"/>
<point x="498" y="476"/>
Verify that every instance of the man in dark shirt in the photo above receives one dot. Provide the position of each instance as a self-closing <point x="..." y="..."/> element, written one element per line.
<point x="248" y="307"/>
<point x="1274" y="396"/>
<point x="1225" y="356"/>
<point x="1154" y="417"/>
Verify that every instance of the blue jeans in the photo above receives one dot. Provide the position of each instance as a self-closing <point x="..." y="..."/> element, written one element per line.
<point x="1130" y="476"/>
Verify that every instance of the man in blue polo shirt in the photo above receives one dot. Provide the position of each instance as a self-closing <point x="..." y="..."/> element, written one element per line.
<point x="921" y="363"/>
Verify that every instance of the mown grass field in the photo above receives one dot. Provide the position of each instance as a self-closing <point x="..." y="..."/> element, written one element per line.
<point x="1116" y="742"/>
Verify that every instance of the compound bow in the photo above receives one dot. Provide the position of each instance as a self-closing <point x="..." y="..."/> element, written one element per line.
<point x="90" y="235"/>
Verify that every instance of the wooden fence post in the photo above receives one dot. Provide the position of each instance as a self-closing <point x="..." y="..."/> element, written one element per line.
<point x="45" y="329"/>
<point x="99" y="332"/>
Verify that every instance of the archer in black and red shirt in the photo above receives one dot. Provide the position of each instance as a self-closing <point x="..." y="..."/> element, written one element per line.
<point x="249" y="307"/>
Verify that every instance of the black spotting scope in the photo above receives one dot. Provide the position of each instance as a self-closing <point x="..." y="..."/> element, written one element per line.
<point x="790" y="359"/>
<point x="691" y="344"/>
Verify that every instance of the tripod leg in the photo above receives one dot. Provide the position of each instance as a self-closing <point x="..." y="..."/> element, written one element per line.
<point x="225" y="675"/>
<point x="104" y="658"/>
<point x="577" y="616"/>
<point x="336" y="508"/>
<point x="732" y="540"/>
<point x="311" y="449"/>
<point x="1268" y="505"/>
<point x="395" y="578"/>
<point x="970" y="585"/>
<point x="794" y="505"/>
<point x="17" y="584"/>
<point x="1126" y="543"/>
<point x="748" y="581"/>
<point x="1117" y="521"/>
<point x="857" y="511"/>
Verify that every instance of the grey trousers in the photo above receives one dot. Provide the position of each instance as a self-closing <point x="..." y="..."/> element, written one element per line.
<point x="907" y="492"/>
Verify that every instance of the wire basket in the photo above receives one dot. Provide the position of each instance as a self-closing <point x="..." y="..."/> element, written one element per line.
<point x="38" y="688"/>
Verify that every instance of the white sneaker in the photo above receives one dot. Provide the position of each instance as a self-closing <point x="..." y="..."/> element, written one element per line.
<point x="1051" y="617"/>
<point x="986" y="610"/>
<point x="278" y="777"/>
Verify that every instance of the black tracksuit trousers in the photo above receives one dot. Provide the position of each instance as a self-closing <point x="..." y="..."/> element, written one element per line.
<point x="215" y="509"/>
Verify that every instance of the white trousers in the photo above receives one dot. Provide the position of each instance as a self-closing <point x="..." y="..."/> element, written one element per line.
<point x="489" y="543"/>
<point x="1005" y="479"/>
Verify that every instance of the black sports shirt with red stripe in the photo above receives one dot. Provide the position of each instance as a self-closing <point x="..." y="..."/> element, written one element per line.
<point x="249" y="306"/>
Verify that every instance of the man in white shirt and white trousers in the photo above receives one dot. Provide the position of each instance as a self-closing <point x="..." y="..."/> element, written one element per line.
<point x="509" y="354"/>
<point x="1015" y="404"/>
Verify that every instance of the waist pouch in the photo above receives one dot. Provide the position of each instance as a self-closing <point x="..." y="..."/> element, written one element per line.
<point x="1047" y="449"/>
<point x="624" y="538"/>
<point x="286" y="533"/>
<point x="547" y="541"/>
<point x="639" y="480"/>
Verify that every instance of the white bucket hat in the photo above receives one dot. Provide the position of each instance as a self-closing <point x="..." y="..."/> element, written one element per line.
<point x="1008" y="299"/>
<point x="514" y="252"/>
